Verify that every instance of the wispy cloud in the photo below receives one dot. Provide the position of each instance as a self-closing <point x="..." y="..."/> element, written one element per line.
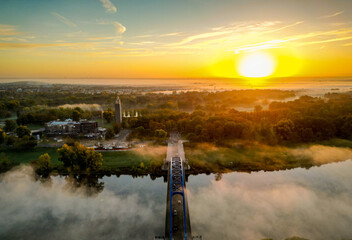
<point x="333" y="15"/>
<point x="230" y="32"/>
<point x="119" y="28"/>
<point x="145" y="36"/>
<point x="8" y="30"/>
<point x="9" y="33"/>
<point x="142" y="43"/>
<point x="298" y="40"/>
<point x="201" y="36"/>
<point x="109" y="6"/>
<point x="64" y="20"/>
<point x="74" y="45"/>
<point x="171" y="34"/>
<point x="104" y="38"/>
<point x="347" y="44"/>
<point x="26" y="45"/>
<point x="285" y="27"/>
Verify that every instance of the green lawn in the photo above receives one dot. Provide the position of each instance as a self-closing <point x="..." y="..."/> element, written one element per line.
<point x="111" y="160"/>
<point x="35" y="126"/>
<point x="18" y="157"/>
<point x="106" y="124"/>
<point x="127" y="159"/>
<point x="12" y="117"/>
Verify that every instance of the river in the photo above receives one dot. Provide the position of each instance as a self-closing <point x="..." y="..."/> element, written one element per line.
<point x="311" y="204"/>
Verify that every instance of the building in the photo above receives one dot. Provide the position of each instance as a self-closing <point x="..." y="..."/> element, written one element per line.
<point x="71" y="128"/>
<point x="118" y="111"/>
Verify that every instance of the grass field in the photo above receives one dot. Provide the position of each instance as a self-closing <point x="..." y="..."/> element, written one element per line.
<point x="127" y="159"/>
<point x="255" y="156"/>
<point x="35" y="126"/>
<point x="18" y="157"/>
<point x="111" y="160"/>
<point x="106" y="124"/>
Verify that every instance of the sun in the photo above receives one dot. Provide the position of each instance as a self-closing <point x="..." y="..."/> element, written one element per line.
<point x="256" y="65"/>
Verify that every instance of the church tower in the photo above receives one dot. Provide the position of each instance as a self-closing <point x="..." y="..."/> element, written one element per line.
<point x="118" y="111"/>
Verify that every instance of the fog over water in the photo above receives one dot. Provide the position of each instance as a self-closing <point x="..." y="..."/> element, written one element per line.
<point x="31" y="210"/>
<point x="312" y="204"/>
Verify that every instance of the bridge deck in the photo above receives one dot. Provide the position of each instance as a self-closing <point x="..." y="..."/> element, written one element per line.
<point x="178" y="224"/>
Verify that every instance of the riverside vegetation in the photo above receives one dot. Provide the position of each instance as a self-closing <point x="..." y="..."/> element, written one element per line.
<point x="221" y="137"/>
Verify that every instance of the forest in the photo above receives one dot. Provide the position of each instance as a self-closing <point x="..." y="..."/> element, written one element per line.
<point x="201" y="116"/>
<point x="244" y="129"/>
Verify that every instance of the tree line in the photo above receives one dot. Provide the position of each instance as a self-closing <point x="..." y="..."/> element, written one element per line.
<point x="306" y="119"/>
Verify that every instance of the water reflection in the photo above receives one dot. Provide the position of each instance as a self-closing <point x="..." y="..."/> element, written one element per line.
<point x="312" y="204"/>
<point x="57" y="210"/>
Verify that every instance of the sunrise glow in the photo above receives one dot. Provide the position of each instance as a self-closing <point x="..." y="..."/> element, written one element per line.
<point x="256" y="65"/>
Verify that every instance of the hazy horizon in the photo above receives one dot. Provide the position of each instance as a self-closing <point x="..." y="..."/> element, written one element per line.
<point x="196" y="83"/>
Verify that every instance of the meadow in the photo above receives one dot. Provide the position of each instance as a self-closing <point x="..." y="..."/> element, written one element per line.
<point x="111" y="160"/>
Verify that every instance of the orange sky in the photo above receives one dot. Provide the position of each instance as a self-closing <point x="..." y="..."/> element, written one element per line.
<point x="117" y="40"/>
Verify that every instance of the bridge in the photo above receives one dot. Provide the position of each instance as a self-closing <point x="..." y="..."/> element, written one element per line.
<point x="177" y="221"/>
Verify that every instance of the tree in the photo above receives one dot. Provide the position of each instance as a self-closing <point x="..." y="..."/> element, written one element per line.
<point x="80" y="157"/>
<point x="5" y="163"/>
<point x="10" y="125"/>
<point x="22" y="131"/>
<point x="2" y="136"/>
<point x="25" y="143"/>
<point x="108" y="115"/>
<point x="109" y="133"/>
<point x="13" y="105"/>
<point x="43" y="164"/>
<point x="76" y="115"/>
<point x="160" y="133"/>
<point x="140" y="131"/>
<point x="258" y="108"/>
<point x="284" y="129"/>
<point x="10" y="140"/>
<point x="117" y="128"/>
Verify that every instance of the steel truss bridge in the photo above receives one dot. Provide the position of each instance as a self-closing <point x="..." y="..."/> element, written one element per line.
<point x="177" y="221"/>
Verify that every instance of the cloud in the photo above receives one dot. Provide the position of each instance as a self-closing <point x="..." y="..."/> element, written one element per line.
<point x="59" y="210"/>
<point x="347" y="44"/>
<point x="27" y="45"/>
<point x="9" y="33"/>
<point x="109" y="6"/>
<point x="228" y="33"/>
<point x="284" y="27"/>
<point x="201" y="36"/>
<point x="170" y="34"/>
<point x="8" y="30"/>
<point x="119" y="27"/>
<point x="104" y="38"/>
<point x="312" y="204"/>
<point x="298" y="40"/>
<point x="64" y="20"/>
<point x="145" y="36"/>
<point x="142" y="43"/>
<point x="333" y="15"/>
<point x="75" y="45"/>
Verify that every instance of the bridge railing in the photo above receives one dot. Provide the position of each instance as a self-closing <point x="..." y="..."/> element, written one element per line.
<point x="177" y="187"/>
